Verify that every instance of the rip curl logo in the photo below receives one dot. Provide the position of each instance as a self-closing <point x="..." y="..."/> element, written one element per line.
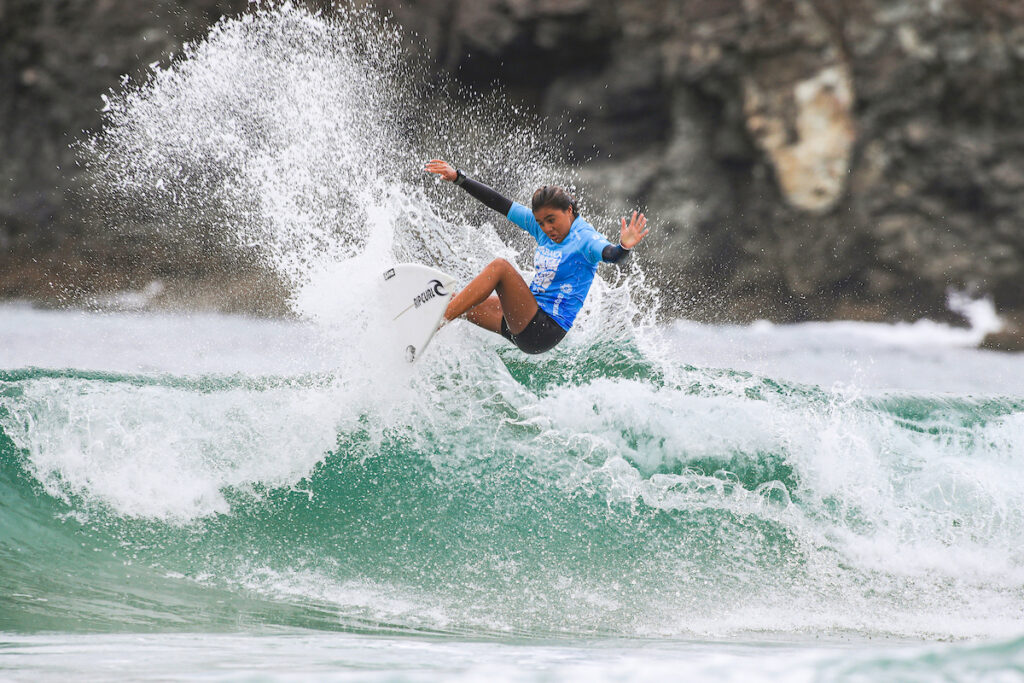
<point x="545" y="263"/>
<point x="434" y="289"/>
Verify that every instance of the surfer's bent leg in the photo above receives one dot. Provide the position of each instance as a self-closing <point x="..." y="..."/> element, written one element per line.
<point x="517" y="304"/>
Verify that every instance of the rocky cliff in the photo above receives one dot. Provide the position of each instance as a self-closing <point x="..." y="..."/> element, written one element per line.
<point x="801" y="159"/>
<point x="56" y="60"/>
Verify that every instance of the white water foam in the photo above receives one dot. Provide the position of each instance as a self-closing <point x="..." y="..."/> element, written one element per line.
<point x="167" y="453"/>
<point x="980" y="315"/>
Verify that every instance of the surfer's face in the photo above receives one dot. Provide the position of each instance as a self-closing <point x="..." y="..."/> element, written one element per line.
<point x="554" y="222"/>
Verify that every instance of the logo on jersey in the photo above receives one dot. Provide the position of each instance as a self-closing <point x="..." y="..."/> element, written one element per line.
<point x="545" y="263"/>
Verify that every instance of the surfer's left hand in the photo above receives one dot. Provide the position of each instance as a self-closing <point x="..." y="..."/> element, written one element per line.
<point x="634" y="232"/>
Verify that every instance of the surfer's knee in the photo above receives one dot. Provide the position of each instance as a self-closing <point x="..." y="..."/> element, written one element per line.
<point x="500" y="265"/>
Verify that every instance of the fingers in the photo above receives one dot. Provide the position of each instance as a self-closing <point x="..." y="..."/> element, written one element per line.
<point x="641" y="227"/>
<point x="636" y="222"/>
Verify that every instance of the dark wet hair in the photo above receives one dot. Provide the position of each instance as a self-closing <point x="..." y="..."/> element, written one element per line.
<point x="555" y="197"/>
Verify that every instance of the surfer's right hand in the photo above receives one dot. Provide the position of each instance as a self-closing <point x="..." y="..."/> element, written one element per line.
<point x="442" y="168"/>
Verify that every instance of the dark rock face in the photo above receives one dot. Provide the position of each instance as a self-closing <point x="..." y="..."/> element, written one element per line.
<point x="56" y="59"/>
<point x="799" y="159"/>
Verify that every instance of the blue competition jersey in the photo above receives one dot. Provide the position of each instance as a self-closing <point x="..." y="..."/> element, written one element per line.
<point x="565" y="270"/>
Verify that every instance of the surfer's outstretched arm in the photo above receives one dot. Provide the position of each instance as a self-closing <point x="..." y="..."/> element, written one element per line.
<point x="488" y="196"/>
<point x="498" y="299"/>
<point x="631" y="234"/>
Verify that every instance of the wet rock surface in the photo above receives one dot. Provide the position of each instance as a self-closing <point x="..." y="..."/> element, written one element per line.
<point x="799" y="159"/>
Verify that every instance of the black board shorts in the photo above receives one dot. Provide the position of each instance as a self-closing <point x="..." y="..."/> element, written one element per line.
<point x="541" y="334"/>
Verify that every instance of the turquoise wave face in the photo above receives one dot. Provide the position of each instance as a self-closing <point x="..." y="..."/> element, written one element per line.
<point x="589" y="493"/>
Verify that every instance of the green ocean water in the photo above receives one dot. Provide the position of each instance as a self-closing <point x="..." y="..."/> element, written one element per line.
<point x="600" y="496"/>
<point x="592" y="506"/>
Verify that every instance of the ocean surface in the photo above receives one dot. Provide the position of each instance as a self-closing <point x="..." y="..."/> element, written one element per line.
<point x="224" y="498"/>
<point x="210" y="497"/>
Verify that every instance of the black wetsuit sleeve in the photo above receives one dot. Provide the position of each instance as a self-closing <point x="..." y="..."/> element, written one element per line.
<point x="489" y="197"/>
<point x="615" y="253"/>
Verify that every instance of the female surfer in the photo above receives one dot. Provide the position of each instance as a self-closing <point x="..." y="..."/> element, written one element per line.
<point x="535" y="317"/>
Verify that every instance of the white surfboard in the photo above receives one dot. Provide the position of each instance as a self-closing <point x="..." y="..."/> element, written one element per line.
<point x="413" y="300"/>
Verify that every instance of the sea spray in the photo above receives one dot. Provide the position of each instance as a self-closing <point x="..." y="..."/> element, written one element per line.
<point x="302" y="137"/>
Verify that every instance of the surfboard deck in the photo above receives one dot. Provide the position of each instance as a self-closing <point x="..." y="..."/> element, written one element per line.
<point x="413" y="299"/>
